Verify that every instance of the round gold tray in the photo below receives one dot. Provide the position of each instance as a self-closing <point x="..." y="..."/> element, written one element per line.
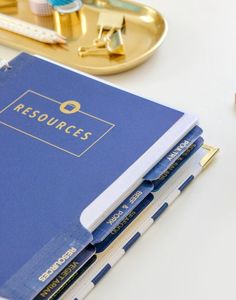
<point x="145" y="30"/>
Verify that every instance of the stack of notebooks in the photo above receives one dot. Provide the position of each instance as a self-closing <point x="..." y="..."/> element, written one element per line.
<point x="86" y="169"/>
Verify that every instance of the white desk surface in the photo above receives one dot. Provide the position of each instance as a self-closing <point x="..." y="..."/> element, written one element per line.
<point x="190" y="253"/>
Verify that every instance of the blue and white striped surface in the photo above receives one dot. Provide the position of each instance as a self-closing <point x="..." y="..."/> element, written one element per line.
<point x="163" y="199"/>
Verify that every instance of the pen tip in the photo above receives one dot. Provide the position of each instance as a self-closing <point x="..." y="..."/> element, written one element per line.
<point x="61" y="40"/>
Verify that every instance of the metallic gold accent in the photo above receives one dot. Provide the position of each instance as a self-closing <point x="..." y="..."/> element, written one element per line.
<point x="48" y="143"/>
<point x="112" y="45"/>
<point x="146" y="30"/>
<point x="60" y="261"/>
<point x="109" y="40"/>
<point x="67" y="24"/>
<point x="74" y="107"/>
<point x="95" y="51"/>
<point x="206" y="160"/>
<point x="109" y="20"/>
<point x="110" y="28"/>
<point x="8" y="3"/>
<point x="115" y="44"/>
<point x="8" y="7"/>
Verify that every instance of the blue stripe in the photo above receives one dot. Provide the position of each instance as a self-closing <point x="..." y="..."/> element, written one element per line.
<point x="130" y="243"/>
<point x="101" y="274"/>
<point x="186" y="183"/>
<point x="124" y="224"/>
<point x="160" y="211"/>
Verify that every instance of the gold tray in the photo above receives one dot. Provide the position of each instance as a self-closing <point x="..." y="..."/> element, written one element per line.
<point x="145" y="30"/>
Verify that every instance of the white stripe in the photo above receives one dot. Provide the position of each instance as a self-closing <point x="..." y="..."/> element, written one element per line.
<point x="173" y="196"/>
<point x="146" y="225"/>
<point x="116" y="257"/>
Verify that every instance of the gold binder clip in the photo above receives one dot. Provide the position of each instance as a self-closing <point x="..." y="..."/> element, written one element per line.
<point x="115" y="44"/>
<point x="107" y="24"/>
<point x="109" y="41"/>
<point x="92" y="50"/>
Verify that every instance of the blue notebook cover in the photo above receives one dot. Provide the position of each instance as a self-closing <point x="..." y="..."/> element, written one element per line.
<point x="65" y="139"/>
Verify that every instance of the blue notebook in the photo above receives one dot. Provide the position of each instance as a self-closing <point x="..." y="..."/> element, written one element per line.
<point x="72" y="147"/>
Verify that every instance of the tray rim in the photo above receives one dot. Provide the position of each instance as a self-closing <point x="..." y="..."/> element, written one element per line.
<point x="105" y="70"/>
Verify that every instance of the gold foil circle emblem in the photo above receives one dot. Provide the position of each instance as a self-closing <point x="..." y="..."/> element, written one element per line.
<point x="70" y="107"/>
